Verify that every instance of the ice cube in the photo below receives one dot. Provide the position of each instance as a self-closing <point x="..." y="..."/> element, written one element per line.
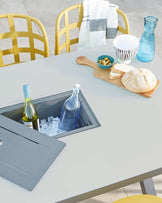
<point x="43" y="121"/>
<point x="44" y="128"/>
<point x="50" y="126"/>
<point x="50" y="119"/>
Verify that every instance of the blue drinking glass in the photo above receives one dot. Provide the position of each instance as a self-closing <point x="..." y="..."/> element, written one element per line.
<point x="146" y="49"/>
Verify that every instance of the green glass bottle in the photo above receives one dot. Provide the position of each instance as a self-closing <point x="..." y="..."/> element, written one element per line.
<point x="29" y="115"/>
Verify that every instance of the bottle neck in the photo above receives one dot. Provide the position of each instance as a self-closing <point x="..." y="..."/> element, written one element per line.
<point x="150" y="23"/>
<point x="26" y="91"/>
<point x="27" y="100"/>
<point x="149" y="29"/>
<point x="75" y="93"/>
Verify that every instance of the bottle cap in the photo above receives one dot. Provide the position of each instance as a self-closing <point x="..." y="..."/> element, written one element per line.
<point x="77" y="85"/>
<point x="26" y="91"/>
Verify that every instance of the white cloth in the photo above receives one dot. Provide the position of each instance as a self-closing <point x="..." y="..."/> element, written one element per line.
<point x="84" y="29"/>
<point x="100" y="21"/>
<point x="112" y="22"/>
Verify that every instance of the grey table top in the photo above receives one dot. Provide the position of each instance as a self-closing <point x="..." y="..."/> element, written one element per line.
<point x="127" y="146"/>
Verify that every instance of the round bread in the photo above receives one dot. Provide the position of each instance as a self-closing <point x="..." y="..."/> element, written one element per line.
<point x="139" y="80"/>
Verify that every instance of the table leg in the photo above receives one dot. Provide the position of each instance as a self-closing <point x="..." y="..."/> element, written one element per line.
<point x="147" y="186"/>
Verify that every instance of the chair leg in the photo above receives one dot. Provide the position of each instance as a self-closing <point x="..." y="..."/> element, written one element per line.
<point x="147" y="187"/>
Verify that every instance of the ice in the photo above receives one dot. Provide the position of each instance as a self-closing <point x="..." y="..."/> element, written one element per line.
<point x="50" y="119"/>
<point x="50" y="126"/>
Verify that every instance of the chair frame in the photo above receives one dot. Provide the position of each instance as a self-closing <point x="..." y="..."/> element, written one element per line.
<point x="13" y="34"/>
<point x="68" y="42"/>
<point x="144" y="198"/>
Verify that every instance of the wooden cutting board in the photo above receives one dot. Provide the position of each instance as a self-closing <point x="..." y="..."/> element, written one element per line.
<point x="103" y="74"/>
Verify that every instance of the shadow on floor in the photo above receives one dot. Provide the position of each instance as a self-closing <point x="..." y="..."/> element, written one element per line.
<point x="92" y="201"/>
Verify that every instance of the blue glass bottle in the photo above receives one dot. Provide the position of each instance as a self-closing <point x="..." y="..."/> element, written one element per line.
<point x="70" y="111"/>
<point x="146" y="49"/>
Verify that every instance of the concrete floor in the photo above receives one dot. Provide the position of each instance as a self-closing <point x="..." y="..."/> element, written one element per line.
<point x="47" y="11"/>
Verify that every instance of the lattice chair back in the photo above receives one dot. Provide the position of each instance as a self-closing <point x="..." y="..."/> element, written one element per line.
<point x="70" y="26"/>
<point x="34" y="31"/>
<point x="146" y="198"/>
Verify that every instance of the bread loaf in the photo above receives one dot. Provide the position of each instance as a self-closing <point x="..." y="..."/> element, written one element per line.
<point x="139" y="80"/>
<point x="122" y="68"/>
<point x="113" y="75"/>
<point x="118" y="70"/>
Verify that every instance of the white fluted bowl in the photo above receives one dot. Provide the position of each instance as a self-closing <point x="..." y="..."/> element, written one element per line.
<point x="126" y="47"/>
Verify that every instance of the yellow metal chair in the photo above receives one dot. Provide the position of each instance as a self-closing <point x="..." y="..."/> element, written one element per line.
<point x="68" y="27"/>
<point x="140" y="199"/>
<point x="13" y="34"/>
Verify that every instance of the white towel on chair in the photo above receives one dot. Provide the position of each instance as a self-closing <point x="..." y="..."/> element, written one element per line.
<point x="84" y="29"/>
<point x="99" y="23"/>
<point x="112" y="22"/>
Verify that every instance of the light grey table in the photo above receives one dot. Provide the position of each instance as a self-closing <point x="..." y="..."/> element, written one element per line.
<point x="127" y="148"/>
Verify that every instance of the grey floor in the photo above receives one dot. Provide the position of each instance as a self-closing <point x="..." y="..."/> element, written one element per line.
<point x="47" y="10"/>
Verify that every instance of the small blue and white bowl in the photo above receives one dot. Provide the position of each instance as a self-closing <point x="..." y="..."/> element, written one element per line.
<point x="105" y="66"/>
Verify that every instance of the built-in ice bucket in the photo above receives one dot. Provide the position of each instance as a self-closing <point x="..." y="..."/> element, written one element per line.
<point x="51" y="106"/>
